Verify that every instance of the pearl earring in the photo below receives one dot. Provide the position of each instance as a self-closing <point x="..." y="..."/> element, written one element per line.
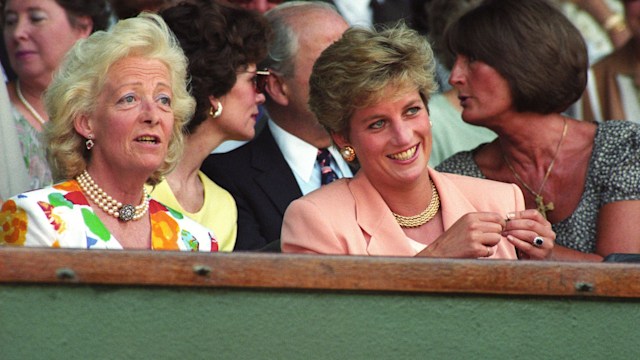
<point x="89" y="143"/>
<point x="348" y="153"/>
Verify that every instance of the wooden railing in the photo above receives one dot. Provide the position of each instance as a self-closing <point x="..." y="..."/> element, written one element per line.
<point x="349" y="273"/>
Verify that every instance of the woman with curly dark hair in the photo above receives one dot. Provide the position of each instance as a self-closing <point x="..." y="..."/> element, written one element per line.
<point x="223" y="45"/>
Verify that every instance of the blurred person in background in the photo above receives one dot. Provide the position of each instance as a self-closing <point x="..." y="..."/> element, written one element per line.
<point x="260" y="6"/>
<point x="37" y="35"/>
<point x="614" y="82"/>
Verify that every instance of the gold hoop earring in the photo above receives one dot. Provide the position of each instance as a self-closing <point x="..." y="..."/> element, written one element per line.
<point x="348" y="153"/>
<point x="218" y="111"/>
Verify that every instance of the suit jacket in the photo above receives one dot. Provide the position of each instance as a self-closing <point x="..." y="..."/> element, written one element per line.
<point x="260" y="180"/>
<point x="361" y="223"/>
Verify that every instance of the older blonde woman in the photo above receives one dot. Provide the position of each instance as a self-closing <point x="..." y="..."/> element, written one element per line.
<point x="370" y="90"/>
<point x="117" y="108"/>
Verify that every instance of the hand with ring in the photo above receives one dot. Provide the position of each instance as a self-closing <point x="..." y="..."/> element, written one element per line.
<point x="538" y="241"/>
<point x="531" y="234"/>
<point x="474" y="235"/>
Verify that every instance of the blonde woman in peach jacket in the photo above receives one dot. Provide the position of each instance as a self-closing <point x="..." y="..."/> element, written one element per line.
<point x="370" y="90"/>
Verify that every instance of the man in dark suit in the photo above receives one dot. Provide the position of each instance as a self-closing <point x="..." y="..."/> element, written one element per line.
<point x="279" y="165"/>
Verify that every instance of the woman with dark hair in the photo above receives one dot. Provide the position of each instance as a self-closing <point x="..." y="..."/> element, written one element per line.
<point x="450" y="133"/>
<point x="519" y="64"/>
<point x="223" y="45"/>
<point x="37" y="35"/>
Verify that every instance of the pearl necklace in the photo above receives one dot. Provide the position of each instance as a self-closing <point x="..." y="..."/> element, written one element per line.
<point x="27" y="105"/>
<point x="110" y="205"/>
<point x="423" y="217"/>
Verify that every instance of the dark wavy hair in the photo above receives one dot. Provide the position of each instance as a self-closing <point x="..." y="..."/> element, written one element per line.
<point x="218" y="40"/>
<point x="98" y="10"/>
<point x="532" y="45"/>
<point x="125" y="9"/>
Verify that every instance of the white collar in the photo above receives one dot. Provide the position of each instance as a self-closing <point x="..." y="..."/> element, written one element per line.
<point x="299" y="154"/>
<point x="356" y="12"/>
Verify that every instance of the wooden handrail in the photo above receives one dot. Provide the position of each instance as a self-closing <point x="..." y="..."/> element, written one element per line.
<point x="317" y="272"/>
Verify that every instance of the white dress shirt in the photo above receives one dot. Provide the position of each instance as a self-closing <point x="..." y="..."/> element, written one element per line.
<point x="355" y="12"/>
<point x="301" y="157"/>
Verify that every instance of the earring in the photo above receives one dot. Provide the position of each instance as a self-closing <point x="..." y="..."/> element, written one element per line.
<point x="348" y="153"/>
<point x="89" y="143"/>
<point x="218" y="111"/>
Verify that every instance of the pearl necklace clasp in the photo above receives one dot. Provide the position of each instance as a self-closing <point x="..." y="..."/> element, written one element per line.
<point x="123" y="212"/>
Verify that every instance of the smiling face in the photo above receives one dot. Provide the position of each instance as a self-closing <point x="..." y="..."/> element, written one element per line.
<point x="37" y="34"/>
<point x="133" y="119"/>
<point x="482" y="91"/>
<point x="392" y="138"/>
<point x="240" y="107"/>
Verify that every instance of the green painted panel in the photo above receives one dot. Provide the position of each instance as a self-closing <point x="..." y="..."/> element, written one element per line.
<point x="109" y="322"/>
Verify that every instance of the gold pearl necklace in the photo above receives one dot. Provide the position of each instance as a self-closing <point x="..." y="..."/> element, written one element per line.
<point x="27" y="105"/>
<point x="110" y="205"/>
<point x="423" y="217"/>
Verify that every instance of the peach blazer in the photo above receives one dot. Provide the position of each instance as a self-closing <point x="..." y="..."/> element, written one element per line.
<point x="349" y="216"/>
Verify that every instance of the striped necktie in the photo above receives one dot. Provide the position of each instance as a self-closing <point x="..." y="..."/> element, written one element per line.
<point x="324" y="160"/>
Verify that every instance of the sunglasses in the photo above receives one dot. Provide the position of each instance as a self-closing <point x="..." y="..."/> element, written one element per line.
<point x="260" y="80"/>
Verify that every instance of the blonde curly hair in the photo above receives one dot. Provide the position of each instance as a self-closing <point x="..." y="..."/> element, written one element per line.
<point x="77" y="84"/>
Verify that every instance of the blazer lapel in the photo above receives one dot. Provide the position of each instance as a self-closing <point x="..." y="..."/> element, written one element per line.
<point x="453" y="204"/>
<point x="376" y="220"/>
<point x="273" y="174"/>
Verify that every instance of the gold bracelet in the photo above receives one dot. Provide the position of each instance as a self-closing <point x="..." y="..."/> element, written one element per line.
<point x="615" y="23"/>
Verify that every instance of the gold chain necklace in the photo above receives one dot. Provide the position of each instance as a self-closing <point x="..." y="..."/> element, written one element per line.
<point x="542" y="207"/>
<point x="423" y="217"/>
<point x="110" y="205"/>
<point x="27" y="105"/>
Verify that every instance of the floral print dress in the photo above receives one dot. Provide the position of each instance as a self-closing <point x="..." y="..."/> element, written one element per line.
<point x="60" y="216"/>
